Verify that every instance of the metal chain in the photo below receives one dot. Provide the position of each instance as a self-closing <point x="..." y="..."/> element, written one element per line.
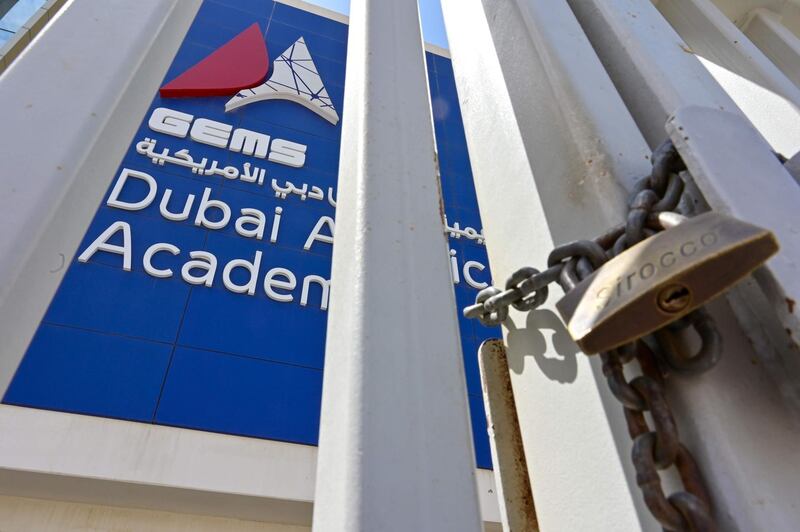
<point x="653" y="207"/>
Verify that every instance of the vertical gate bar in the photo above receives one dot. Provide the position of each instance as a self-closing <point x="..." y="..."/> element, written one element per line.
<point x="553" y="150"/>
<point x="711" y="35"/>
<point x="776" y="41"/>
<point x="514" y="495"/>
<point x="757" y="86"/>
<point x="395" y="447"/>
<point x="652" y="67"/>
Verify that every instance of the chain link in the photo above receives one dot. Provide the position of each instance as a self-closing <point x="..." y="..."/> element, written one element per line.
<point x="653" y="206"/>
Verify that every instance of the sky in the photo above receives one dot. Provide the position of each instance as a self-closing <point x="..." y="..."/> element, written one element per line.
<point x="431" y="11"/>
<point x="13" y="19"/>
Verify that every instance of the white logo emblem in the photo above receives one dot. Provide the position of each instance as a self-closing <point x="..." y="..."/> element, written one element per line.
<point x="294" y="78"/>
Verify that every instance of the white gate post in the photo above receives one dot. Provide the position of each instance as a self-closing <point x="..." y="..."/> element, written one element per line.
<point x="133" y="46"/>
<point x="395" y="449"/>
<point x="552" y="149"/>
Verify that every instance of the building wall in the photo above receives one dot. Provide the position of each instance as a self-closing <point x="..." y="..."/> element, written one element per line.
<point x="110" y="344"/>
<point x="132" y="346"/>
<point x="19" y="514"/>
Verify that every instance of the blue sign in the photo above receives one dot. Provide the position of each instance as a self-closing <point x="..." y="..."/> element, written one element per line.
<point x="198" y="297"/>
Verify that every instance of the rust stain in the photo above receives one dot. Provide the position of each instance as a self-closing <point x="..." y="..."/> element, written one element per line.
<point x="791" y="303"/>
<point x="687" y="49"/>
<point x="439" y="186"/>
<point x="519" y="499"/>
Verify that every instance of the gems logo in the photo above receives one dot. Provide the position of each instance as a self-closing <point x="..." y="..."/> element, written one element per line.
<point x="240" y="67"/>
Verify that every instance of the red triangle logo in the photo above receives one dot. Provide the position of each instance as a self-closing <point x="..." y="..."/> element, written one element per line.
<point x="241" y="63"/>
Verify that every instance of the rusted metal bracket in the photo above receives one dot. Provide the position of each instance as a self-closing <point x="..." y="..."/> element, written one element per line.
<point x="739" y="174"/>
<point x="514" y="493"/>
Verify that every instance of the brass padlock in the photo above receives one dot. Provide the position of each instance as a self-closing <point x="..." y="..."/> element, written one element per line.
<point x="662" y="279"/>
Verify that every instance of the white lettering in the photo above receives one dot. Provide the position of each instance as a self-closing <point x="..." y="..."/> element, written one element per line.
<point x="315" y="233"/>
<point x="276" y="225"/>
<point x="171" y="122"/>
<point x="175" y="217"/>
<point x="324" y="283"/>
<point x="252" y="217"/>
<point x="211" y="132"/>
<point x="204" y="261"/>
<point x="468" y="267"/>
<point x="113" y="198"/>
<point x="101" y="244"/>
<point x="252" y="268"/>
<point x="271" y="283"/>
<point x="205" y="203"/>
<point x="454" y="267"/>
<point x="288" y="153"/>
<point x="250" y="143"/>
<point x="148" y="258"/>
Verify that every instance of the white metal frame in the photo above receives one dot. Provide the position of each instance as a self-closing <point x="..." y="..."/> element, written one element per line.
<point x="710" y="34"/>
<point x="554" y="145"/>
<point x="760" y="87"/>
<point x="395" y="446"/>
<point x="766" y="30"/>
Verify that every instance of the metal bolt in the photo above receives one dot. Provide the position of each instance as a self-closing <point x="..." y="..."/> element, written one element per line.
<point x="674" y="298"/>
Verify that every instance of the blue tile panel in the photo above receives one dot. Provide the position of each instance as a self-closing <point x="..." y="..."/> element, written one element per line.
<point x="131" y="345"/>
<point x="240" y="395"/>
<point x="87" y="372"/>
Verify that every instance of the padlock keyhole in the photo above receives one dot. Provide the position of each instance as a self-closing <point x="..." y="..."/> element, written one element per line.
<point x="674" y="298"/>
